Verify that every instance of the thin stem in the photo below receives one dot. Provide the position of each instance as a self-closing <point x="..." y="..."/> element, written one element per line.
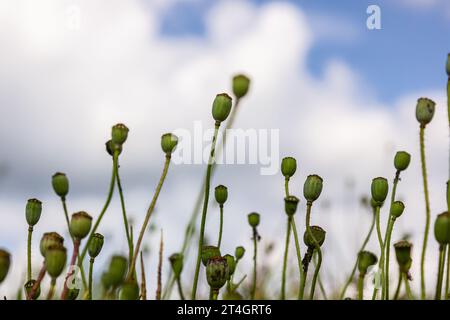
<point x="30" y="234"/>
<point x="38" y="282"/>
<point x="221" y="227"/>
<point x="124" y="213"/>
<point x="91" y="268"/>
<point x="319" y="280"/>
<point x="214" y="294"/>
<point x="427" y="212"/>
<point x="408" y="288"/>
<point x="66" y="213"/>
<point x="286" y="251"/>
<point x="105" y="207"/>
<point x="51" y="290"/>
<point x="297" y="248"/>
<point x="399" y="285"/>
<point x="388" y="235"/>
<point x="180" y="288"/>
<point x="73" y="260"/>
<point x="305" y="264"/>
<point x="205" y="209"/>
<point x="317" y="248"/>
<point x="447" y="280"/>
<point x="355" y="266"/>
<point x="380" y="242"/>
<point x="255" y="252"/>
<point x="148" y="215"/>
<point x="361" y="286"/>
<point x="143" y="280"/>
<point x="442" y="250"/>
<point x="160" y="262"/>
<point x="286" y="186"/>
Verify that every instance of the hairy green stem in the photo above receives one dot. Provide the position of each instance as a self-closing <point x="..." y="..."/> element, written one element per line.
<point x="91" y="268"/>
<point x="205" y="210"/>
<point x="286" y="251"/>
<point x="297" y="248"/>
<point x="361" y="286"/>
<point x="286" y="186"/>
<point x="29" y="270"/>
<point x="255" y="269"/>
<point x="317" y="247"/>
<point x="219" y="241"/>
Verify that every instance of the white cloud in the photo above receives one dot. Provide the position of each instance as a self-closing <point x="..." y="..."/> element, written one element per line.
<point x="62" y="89"/>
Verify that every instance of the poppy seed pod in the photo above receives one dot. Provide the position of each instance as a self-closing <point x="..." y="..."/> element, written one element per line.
<point x="169" y="142"/>
<point x="111" y="147"/>
<point x="397" y="209"/>
<point x="239" y="252"/>
<point x="375" y="204"/>
<point x="80" y="225"/>
<point x="209" y="252"/>
<point x="50" y="239"/>
<point x="319" y="235"/>
<point x="290" y="205"/>
<point x="55" y="260"/>
<point x="288" y="167"/>
<point x="176" y="261"/>
<point x="312" y="187"/>
<point x="5" y="262"/>
<point x="403" y="255"/>
<point x="60" y="184"/>
<point x="217" y="272"/>
<point x="72" y="294"/>
<point x="106" y="281"/>
<point x="379" y="189"/>
<point x="442" y="228"/>
<point x="365" y="260"/>
<point x="425" y="110"/>
<point x="221" y="107"/>
<point x="29" y="286"/>
<point x="253" y="219"/>
<point x="447" y="66"/>
<point x="221" y="194"/>
<point x="119" y="134"/>
<point x="33" y="211"/>
<point x="129" y="290"/>
<point x="402" y="160"/>
<point x="95" y="245"/>
<point x="241" y="84"/>
<point x="231" y="264"/>
<point x="117" y="270"/>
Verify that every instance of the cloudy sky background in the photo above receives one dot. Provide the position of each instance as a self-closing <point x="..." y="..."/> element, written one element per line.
<point x="342" y="96"/>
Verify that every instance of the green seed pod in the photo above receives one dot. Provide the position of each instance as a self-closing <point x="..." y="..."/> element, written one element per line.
<point x="176" y="261"/>
<point x="290" y="205"/>
<point x="231" y="264"/>
<point x="319" y="235"/>
<point x="288" y="167"/>
<point x="425" y="110"/>
<point x="403" y="255"/>
<point x="221" y="107"/>
<point x="397" y="209"/>
<point x="80" y="225"/>
<point x="239" y="252"/>
<point x="447" y="66"/>
<point x="312" y="187"/>
<point x="253" y="219"/>
<point x="111" y="147"/>
<point x="33" y="211"/>
<point x="72" y="294"/>
<point x="217" y="272"/>
<point x="28" y="286"/>
<point x="60" y="184"/>
<point x="117" y="270"/>
<point x="442" y="228"/>
<point x="169" y="142"/>
<point x="209" y="252"/>
<point x="241" y="84"/>
<point x="129" y="290"/>
<point x="106" y="281"/>
<point x="379" y="189"/>
<point x="95" y="245"/>
<point x="365" y="260"/>
<point x="402" y="160"/>
<point x="5" y="262"/>
<point x="119" y="134"/>
<point x="50" y="239"/>
<point x="221" y="194"/>
<point x="55" y="260"/>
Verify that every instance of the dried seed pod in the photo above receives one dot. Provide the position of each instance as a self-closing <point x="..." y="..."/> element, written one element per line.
<point x="217" y="272"/>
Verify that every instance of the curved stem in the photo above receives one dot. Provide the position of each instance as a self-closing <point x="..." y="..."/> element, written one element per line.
<point x="297" y="248"/>
<point x="399" y="285"/>
<point x="442" y="250"/>
<point x="317" y="248"/>
<point x="38" y="282"/>
<point x="408" y="288"/>
<point x="255" y="252"/>
<point x="305" y="264"/>
<point x="29" y="271"/>
<point x="91" y="268"/>
<point x="221" y="227"/>
<point x="319" y="280"/>
<point x="51" y="290"/>
<point x="148" y="215"/>
<point x="205" y="209"/>
<point x="124" y="213"/>
<point x="380" y="242"/>
<point x="73" y="260"/>
<point x="427" y="212"/>
<point x="361" y="286"/>
<point x="355" y="266"/>
<point x="286" y="251"/>
<point x="66" y="213"/>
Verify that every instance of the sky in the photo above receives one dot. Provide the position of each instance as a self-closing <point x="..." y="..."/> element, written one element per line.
<point x="342" y="97"/>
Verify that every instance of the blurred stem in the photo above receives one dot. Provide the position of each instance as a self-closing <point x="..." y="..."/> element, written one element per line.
<point x="205" y="209"/>
<point x="319" y="280"/>
<point x="427" y="212"/>
<point x="143" y="280"/>
<point x="180" y="288"/>
<point x="221" y="226"/>
<point x="91" y="268"/>
<point x="30" y="234"/>
<point x="38" y="282"/>
<point x="124" y="213"/>
<point x="299" y="255"/>
<point x="361" y="286"/>
<point x="73" y="261"/>
<point x="160" y="262"/>
<point x="51" y="290"/>
<point x="380" y="242"/>
<point x="305" y="263"/>
<point x="363" y="246"/>
<point x="441" y="263"/>
<point x="255" y="252"/>
<point x="408" y="288"/>
<point x="447" y="281"/>
<point x="286" y="252"/>
<point x="399" y="285"/>
<point x="317" y="246"/>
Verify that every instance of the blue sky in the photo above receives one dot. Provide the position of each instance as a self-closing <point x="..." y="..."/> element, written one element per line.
<point x="407" y="54"/>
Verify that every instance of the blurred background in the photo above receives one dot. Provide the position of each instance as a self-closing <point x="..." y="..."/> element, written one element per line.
<point x="343" y="97"/>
